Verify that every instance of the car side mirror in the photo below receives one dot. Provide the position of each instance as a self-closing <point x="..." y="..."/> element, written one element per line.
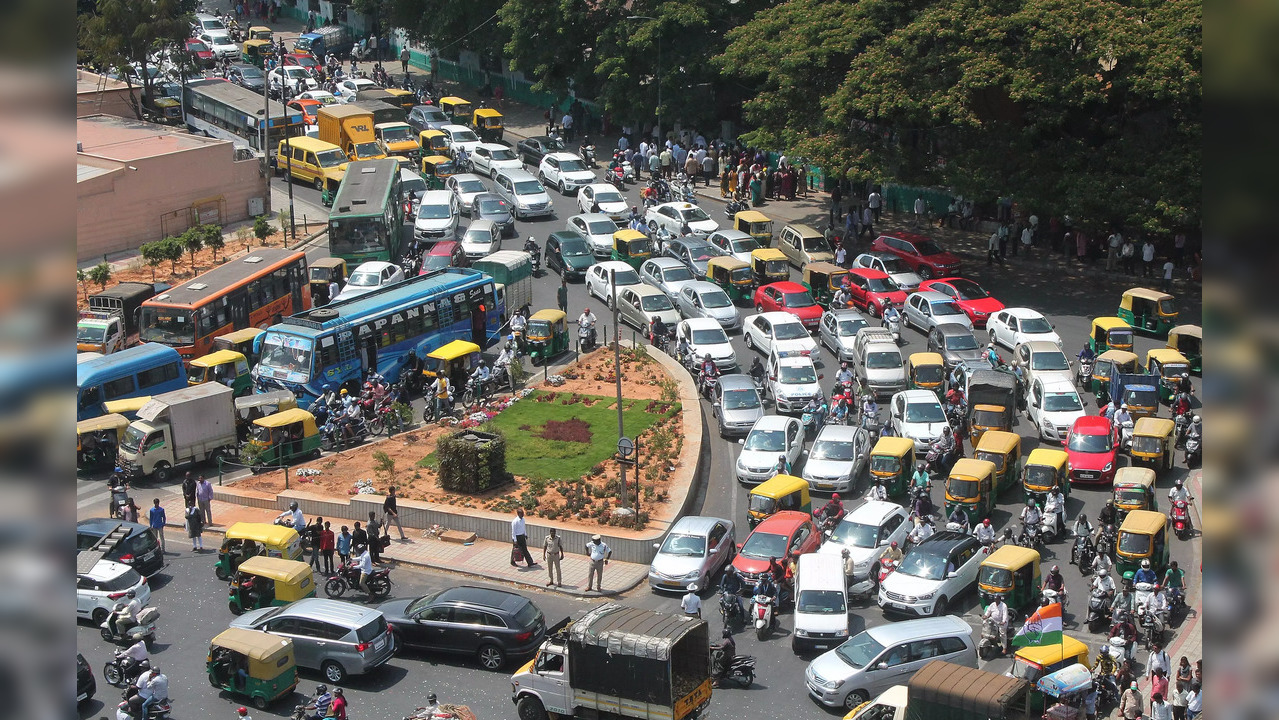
<point x="952" y="574"/>
<point x="882" y="666"/>
<point x="739" y="545"/>
<point x="819" y="377"/>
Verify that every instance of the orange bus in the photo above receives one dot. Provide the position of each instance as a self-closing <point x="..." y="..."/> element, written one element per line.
<point x="256" y="290"/>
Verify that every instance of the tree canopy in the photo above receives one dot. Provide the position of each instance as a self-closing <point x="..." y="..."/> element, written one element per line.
<point x="118" y="35"/>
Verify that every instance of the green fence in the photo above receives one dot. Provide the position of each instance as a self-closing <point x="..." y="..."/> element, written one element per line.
<point x="901" y="198"/>
<point x="520" y="91"/>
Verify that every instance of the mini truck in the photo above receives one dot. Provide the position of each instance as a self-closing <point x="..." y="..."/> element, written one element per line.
<point x="111" y="322"/>
<point x="945" y="691"/>
<point x="350" y="128"/>
<point x="618" y="662"/>
<point x="190" y="425"/>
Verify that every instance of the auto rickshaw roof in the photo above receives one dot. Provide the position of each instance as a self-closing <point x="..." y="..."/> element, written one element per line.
<point x="255" y="43"/>
<point x="999" y="441"/>
<point x="1119" y="357"/>
<point x="1010" y="557"/>
<point x="1193" y="331"/>
<point x="1144" y="522"/>
<point x="431" y="133"/>
<point x="279" y="569"/>
<point x="487" y="113"/>
<point x="727" y="262"/>
<point x="1110" y="323"/>
<point x="264" y="533"/>
<point x="972" y="468"/>
<point x="259" y="28"/>
<point x="779" y="485"/>
<point x="126" y="405"/>
<point x="254" y="644"/>
<point x="218" y="357"/>
<point x="1166" y="356"/>
<point x="1132" y="475"/>
<point x="1144" y="294"/>
<point x="284" y="417"/>
<point x="824" y="267"/>
<point x="1047" y="456"/>
<point x="895" y="446"/>
<point x="767" y="254"/>
<point x="925" y="358"/>
<point x="454" y="350"/>
<point x="1054" y="653"/>
<point x="1070" y="679"/>
<point x="751" y="216"/>
<point x="987" y="407"/>
<point x="1154" y="426"/>
<point x="628" y="234"/>
<point x="453" y="100"/>
<point x="274" y="397"/>
<point x="113" y="421"/>
<point x="238" y="336"/>
<point x="436" y="159"/>
<point x="549" y="315"/>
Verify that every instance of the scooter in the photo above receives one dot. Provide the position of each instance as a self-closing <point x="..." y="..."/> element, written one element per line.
<point x="536" y="258"/>
<point x="1048" y="527"/>
<point x="119" y="500"/>
<point x="991" y="644"/>
<point x="740" y="671"/>
<point x="585" y="339"/>
<point x="764" y="615"/>
<point x="1192" y="456"/>
<point x="144" y="630"/>
<point x="862" y="589"/>
<point x="1082" y="553"/>
<point x="706" y="384"/>
<point x="1098" y="611"/>
<point x="158" y="710"/>
<point x="588" y="155"/>
<point x="886" y="568"/>
<point x="730" y="609"/>
<point x="735" y="206"/>
<point x="1152" y="626"/>
<point x="894" y="326"/>
<point x="1180" y="514"/>
<point x="1084" y="374"/>
<point x="1029" y="536"/>
<point x="1125" y="435"/>
<point x="1052" y="596"/>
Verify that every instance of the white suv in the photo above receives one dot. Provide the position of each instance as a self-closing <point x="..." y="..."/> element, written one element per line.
<point x="566" y="171"/>
<point x="98" y="590"/>
<point x="492" y="158"/>
<point x="437" y="218"/>
<point x="792" y="382"/>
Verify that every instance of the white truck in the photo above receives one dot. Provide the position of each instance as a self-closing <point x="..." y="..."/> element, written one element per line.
<point x="512" y="271"/>
<point x="190" y="425"/>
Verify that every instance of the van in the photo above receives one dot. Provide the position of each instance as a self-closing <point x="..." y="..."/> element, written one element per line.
<point x="881" y="657"/>
<point x="314" y="162"/>
<point x="523" y="192"/>
<point x="337" y="638"/>
<point x="146" y="369"/>
<point x="821" y="608"/>
<point x="139" y="550"/>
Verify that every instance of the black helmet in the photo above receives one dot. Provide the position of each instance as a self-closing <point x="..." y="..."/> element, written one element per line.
<point x="726" y="633"/>
<point x="293" y="505"/>
<point x="430" y="697"/>
<point x="321" y="689"/>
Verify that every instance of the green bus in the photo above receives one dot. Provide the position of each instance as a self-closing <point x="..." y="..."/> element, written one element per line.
<point x="368" y="213"/>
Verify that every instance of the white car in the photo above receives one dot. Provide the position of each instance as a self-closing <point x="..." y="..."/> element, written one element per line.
<point x="908" y="280"/>
<point x="1041" y="358"/>
<point x="296" y="79"/>
<point x="867" y="532"/>
<point x="350" y="87"/>
<point x="460" y="136"/>
<point x="436" y="217"/>
<point x="706" y="337"/>
<point x="220" y="42"/>
<point x="324" y="97"/>
<point x="604" y="199"/>
<point x="482" y="237"/>
<point x="916" y="414"/>
<point x="734" y="243"/>
<point x="779" y="331"/>
<point x="771" y="437"/>
<point x="1053" y="406"/>
<point x="675" y="215"/>
<point x="98" y="590"/>
<point x="368" y="277"/>
<point x="837" y="458"/>
<point x="491" y="158"/>
<point x="464" y="188"/>
<point x="1011" y="327"/>
<point x="598" y="230"/>
<point x="837" y="330"/>
<point x="932" y="574"/>
<point x="601" y="276"/>
<point x="564" y="171"/>
<point x="707" y="300"/>
<point x="791" y="381"/>
<point x="666" y="274"/>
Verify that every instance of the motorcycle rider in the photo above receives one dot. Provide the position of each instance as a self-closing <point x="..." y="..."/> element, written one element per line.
<point x="992" y="356"/>
<point x="506" y="357"/>
<point x="1124" y="602"/>
<point x="1175" y="580"/>
<point x="1087" y="354"/>
<point x="132" y="656"/>
<point x="722" y="655"/>
<point x="893" y="553"/>
<point x="481" y="377"/>
<point x="657" y="328"/>
<point x="757" y="367"/>
<point x="154" y="690"/>
<point x="318" y="707"/>
<point x="1030" y="516"/>
<point x="1054" y="581"/>
<point x="768" y="587"/>
<point x="441" y="391"/>
<point x="1105" y="584"/>
<point x="832" y="512"/>
<point x="844" y="376"/>
<point x="997" y="613"/>
<point x="1055" y="508"/>
<point x="840" y="299"/>
<point x="530" y="247"/>
<point x="811" y="408"/>
<point x="1179" y="492"/>
<point x="782" y="467"/>
<point x="891" y="315"/>
<point x="731" y="586"/>
<point x="920" y="479"/>
<point x="923" y="530"/>
<point x="1145" y="574"/>
<point x="126" y="613"/>
<point x="869" y="408"/>
<point x="1082" y="528"/>
<point x="877" y="491"/>
<point x="923" y="506"/>
<point x="586" y="322"/>
<point x="1124" y="629"/>
<point x="351" y="418"/>
<point x="707" y="371"/>
<point x="1122" y="416"/>
<point x="985" y="533"/>
<point x="944" y="446"/>
<point x="960" y="518"/>
<point x="1158" y="606"/>
<point x="292" y="517"/>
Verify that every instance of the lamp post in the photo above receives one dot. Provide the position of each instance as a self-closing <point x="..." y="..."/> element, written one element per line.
<point x="658" y="76"/>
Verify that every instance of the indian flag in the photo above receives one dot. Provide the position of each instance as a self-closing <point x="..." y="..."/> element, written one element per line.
<point x="1041" y="628"/>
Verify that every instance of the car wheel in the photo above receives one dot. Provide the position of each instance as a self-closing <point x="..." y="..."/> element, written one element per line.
<point x="319" y="184"/>
<point x="563" y="190"/>
<point x="333" y="672"/>
<point x="99" y="616"/>
<point x="940" y="608"/>
<point x="530" y="708"/>
<point x="855" y="698"/>
<point x="925" y="272"/>
<point x="491" y="657"/>
<point x="541" y="177"/>
<point x="874" y="310"/>
<point x="750" y="343"/>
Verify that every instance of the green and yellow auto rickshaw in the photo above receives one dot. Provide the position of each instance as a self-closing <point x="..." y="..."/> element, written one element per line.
<point x="1110" y="333"/>
<point x="1143" y="535"/>
<point x="452" y="361"/>
<point x="241" y="341"/>
<point x="457" y="109"/>
<point x="1011" y="573"/>
<point x="1188" y="340"/>
<point x="822" y="280"/>
<point x="1148" y="310"/>
<point x="322" y="272"/>
<point x="98" y="442"/>
<point x="283" y="438"/>
<point x="769" y="265"/>
<point x="988" y="418"/>
<point x="1108" y="364"/>
<point x="168" y="110"/>
<point x="261" y="32"/>
<point x="1003" y="449"/>
<point x="244" y="540"/>
<point x="255" y="52"/>
<point x="1153" y="440"/>
<point x="227" y="367"/>
<point x="435" y="168"/>
<point x="970" y="486"/>
<point x="1169" y="365"/>
<point x="926" y="371"/>
<point x="780" y="492"/>
<point x="1046" y="469"/>
<point x="252" y="663"/>
<point x="400" y="97"/>
<point x="756" y="224"/>
<point x="1134" y="489"/>
<point x="547" y="335"/>
<point x="631" y="247"/>
<point x="487" y="124"/>
<point x="433" y="142"/>
<point x="263" y="581"/>
<point x="733" y="276"/>
<point x="892" y="460"/>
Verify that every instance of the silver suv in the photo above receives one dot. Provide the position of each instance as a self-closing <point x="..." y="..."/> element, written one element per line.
<point x="337" y="638"/>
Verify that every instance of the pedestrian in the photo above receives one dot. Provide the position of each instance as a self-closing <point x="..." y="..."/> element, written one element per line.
<point x="667" y="159"/>
<point x="1128" y="253"/>
<point x="836" y="203"/>
<point x="314" y="531"/>
<point x="599" y="554"/>
<point x="376" y="544"/>
<point x="1027" y="239"/>
<point x="725" y="183"/>
<point x="1090" y="701"/>
<point x="691" y="603"/>
<point x="195" y="527"/>
<point x="692" y="169"/>
<point x="1168" y="269"/>
<point x="561" y="295"/>
<point x="1159" y="709"/>
<point x="344" y="545"/>
<point x="1184" y="673"/>
<point x="1113" y="244"/>
<point x="359" y="538"/>
<point x="709" y="170"/>
<point x="1158" y="660"/>
<point x="519" y="540"/>
<point x="654" y="164"/>
<point x="327" y="544"/>
<point x="992" y="249"/>
<point x="866" y="222"/>
<point x="552" y="553"/>
<point x="156" y="519"/>
<point x="1131" y="704"/>
<point x="840" y="253"/>
<point x="188" y="490"/>
<point x="1178" y="701"/>
<point x="1179" y="248"/>
<point x="1194" y="701"/>
<point x="850" y="225"/>
<point x="1147" y="257"/>
<point x="1004" y="233"/>
<point x="404" y="60"/>
<point x="391" y="513"/>
<point x="373" y="47"/>
<point x="204" y="499"/>
<point x="875" y="202"/>
<point x="920" y="210"/>
<point x="1158" y="683"/>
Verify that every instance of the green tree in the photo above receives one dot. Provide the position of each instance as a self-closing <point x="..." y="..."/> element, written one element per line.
<point x="555" y="42"/>
<point x="172" y="249"/>
<point x="83" y="278"/>
<point x="120" y="34"/>
<point x="153" y="254"/>
<point x="245" y="235"/>
<point x="100" y="275"/>
<point x="261" y="228"/>
<point x="450" y="26"/>
<point x="192" y="242"/>
<point x="213" y="238"/>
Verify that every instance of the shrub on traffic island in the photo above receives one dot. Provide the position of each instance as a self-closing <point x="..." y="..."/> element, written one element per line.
<point x="472" y="462"/>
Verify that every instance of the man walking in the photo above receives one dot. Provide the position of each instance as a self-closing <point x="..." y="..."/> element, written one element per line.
<point x="1131" y="704"/>
<point x="188" y="490"/>
<point x="519" y="538"/>
<point x="195" y="527"/>
<point x="1147" y="257"/>
<point x="875" y="201"/>
<point x="836" y="203"/>
<point x="156" y="520"/>
<point x="920" y="209"/>
<point x="1113" y="243"/>
<point x="391" y="513"/>
<point x="314" y="532"/>
<point x="204" y="497"/>
<point x="561" y="295"/>
<point x="599" y="554"/>
<point x="374" y="529"/>
<point x="404" y="60"/>
<point x="552" y="552"/>
<point x="327" y="544"/>
<point x="691" y="603"/>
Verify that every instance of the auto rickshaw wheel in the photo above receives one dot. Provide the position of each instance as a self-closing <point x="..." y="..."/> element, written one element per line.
<point x="221" y="573"/>
<point x="259" y="702"/>
<point x="235" y="608"/>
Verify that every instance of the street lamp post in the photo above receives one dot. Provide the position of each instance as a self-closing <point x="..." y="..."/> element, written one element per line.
<point x="658" y="77"/>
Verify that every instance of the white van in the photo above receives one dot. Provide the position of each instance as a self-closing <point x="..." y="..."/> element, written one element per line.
<point x="821" y="608"/>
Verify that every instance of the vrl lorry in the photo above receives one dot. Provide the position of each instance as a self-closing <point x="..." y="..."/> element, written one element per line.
<point x="350" y="128"/>
<point x="181" y="427"/>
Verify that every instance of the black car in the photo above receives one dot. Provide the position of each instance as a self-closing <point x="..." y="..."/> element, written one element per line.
<point x="85" y="685"/>
<point x="491" y="206"/>
<point x="247" y="76"/>
<point x="467" y="620"/>
<point x="427" y="117"/>
<point x="568" y="253"/>
<point x="139" y="550"/>
<point x="535" y="148"/>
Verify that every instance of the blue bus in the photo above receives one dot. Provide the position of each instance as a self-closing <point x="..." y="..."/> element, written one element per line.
<point x="340" y="342"/>
<point x="146" y="369"/>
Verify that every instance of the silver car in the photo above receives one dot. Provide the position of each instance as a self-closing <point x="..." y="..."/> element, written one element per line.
<point x="955" y="343"/>
<point x="335" y="637"/>
<point x="694" y="550"/>
<point x="734" y="243"/>
<point x="693" y="252"/>
<point x="906" y="279"/>
<point x="637" y="305"/>
<point x="927" y="309"/>
<point x="598" y="230"/>
<point x="837" y="458"/>
<point x="666" y="274"/>
<point x="464" y="188"/>
<point x="737" y="404"/>
<point x="706" y="337"/>
<point x="705" y="299"/>
<point x="838" y="329"/>
<point x="481" y="238"/>
<point x="882" y="369"/>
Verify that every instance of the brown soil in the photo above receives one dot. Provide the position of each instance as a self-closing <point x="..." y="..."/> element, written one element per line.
<point x="593" y="375"/>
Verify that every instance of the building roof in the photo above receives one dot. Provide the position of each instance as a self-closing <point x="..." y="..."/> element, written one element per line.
<point x="91" y="82"/>
<point x="123" y="140"/>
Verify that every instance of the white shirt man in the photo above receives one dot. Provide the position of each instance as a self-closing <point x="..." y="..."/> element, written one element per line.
<point x="985" y="533"/>
<point x="997" y="612"/>
<point x="1104" y="583"/>
<point x="137" y="652"/>
<point x="840" y="254"/>
<point x="877" y="492"/>
<point x="1158" y="603"/>
<point x="1158" y="661"/>
<point x="874" y="200"/>
<point x="1030" y="515"/>
<point x="691" y="603"/>
<point x="1179" y="492"/>
<point x="586" y="319"/>
<point x="1054" y="504"/>
<point x="1147" y="251"/>
<point x="518" y="323"/>
<point x="518" y="527"/>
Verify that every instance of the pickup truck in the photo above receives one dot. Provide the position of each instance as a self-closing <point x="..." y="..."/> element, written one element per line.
<point x="181" y="427"/>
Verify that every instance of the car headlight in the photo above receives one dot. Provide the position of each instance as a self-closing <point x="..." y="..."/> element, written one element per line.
<point x="833" y="684"/>
<point x="841" y="633"/>
<point x="692" y="575"/>
<point x="1108" y="467"/>
<point x="801" y="633"/>
<point x="927" y="596"/>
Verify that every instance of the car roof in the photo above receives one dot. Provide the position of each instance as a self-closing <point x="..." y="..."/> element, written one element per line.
<point x="909" y="237"/>
<point x="442" y="197"/>
<point x="840" y="433"/>
<point x="1023" y="312"/>
<point x="600" y="187"/>
<point x="907" y="630"/>
<point x="846" y="313"/>
<point x="791" y="360"/>
<point x="614" y="265"/>
<point x="1042" y="346"/>
<point x="782" y="523"/>
<point x="702" y="286"/>
<point x="933" y="296"/>
<point x="644" y="290"/>
<point x="107" y="569"/>
<point x="787" y="286"/>
<point x="955" y="329"/>
<point x="595" y="217"/>
<point x="772" y="422"/>
<point x="943" y="541"/>
<point x="373" y="266"/>
<point x="873" y="511"/>
<point x="777" y="316"/>
<point x="451" y="127"/>
<point x="917" y="395"/>
<point x="1091" y="425"/>
<point x="483" y="224"/>
<point x="483" y="597"/>
<point x="871" y="273"/>
<point x="735" y="381"/>
<point x="493" y="146"/>
<point x="1053" y="383"/>
<point x="664" y="261"/>
<point x="696" y="524"/>
<point x="334" y="611"/>
<point x="467" y="176"/>
<point x="102" y="526"/>
<point x="701" y="323"/>
<point x="562" y="155"/>
<point x="733" y="234"/>
<point x="677" y="204"/>
<point x="692" y="242"/>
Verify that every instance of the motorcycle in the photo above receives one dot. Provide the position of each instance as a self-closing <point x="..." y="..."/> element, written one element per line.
<point x="1098" y="611"/>
<point x="992" y="643"/>
<point x="1106" y="542"/>
<point x="706" y="384"/>
<point x="1029" y="536"/>
<point x="1084" y="375"/>
<point x="119" y="500"/>
<point x="862" y="589"/>
<point x="1182" y="424"/>
<point x="143" y="630"/>
<point x="1192" y="456"/>
<point x="740" y="671"/>
<point x="764" y="615"/>
<point x="1152" y="627"/>
<point x="585" y="338"/>
<point x="158" y="710"/>
<point x="428" y="413"/>
<point x="886" y="568"/>
<point x="616" y="176"/>
<point x="332" y="435"/>
<point x="536" y="258"/>
<point x="1082" y="553"/>
<point x="116" y="675"/>
<point x="730" y="609"/>
<point x="735" y="206"/>
<point x="588" y="154"/>
<point x="894" y="326"/>
<point x="348" y="576"/>
<point x="1180" y="514"/>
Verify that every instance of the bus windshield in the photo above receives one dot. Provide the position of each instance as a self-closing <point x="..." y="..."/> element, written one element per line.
<point x="286" y="356"/>
<point x="171" y="326"/>
<point x="352" y="236"/>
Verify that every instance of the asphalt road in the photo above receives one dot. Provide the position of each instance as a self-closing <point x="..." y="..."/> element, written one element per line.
<point x="194" y="610"/>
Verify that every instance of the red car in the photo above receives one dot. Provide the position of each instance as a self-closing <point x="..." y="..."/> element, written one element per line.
<point x="873" y="290"/>
<point x="922" y="254"/>
<point x="445" y="253"/>
<point x="308" y="108"/>
<point x="789" y="297"/>
<point x="1091" y="446"/>
<point x="200" y="53"/>
<point x="305" y="61"/>
<point x="782" y="535"/>
<point x="972" y="298"/>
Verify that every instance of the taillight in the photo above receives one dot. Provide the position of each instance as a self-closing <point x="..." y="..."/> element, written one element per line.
<point x="521" y="637"/>
<point x="389" y="628"/>
<point x="126" y="558"/>
<point x="361" y="647"/>
<point x="115" y="596"/>
<point x="144" y="579"/>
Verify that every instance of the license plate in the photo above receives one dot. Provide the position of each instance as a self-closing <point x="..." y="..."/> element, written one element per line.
<point x="898" y="606"/>
<point x="821" y="647"/>
<point x="825" y="486"/>
<point x="379" y="643"/>
<point x="671" y="583"/>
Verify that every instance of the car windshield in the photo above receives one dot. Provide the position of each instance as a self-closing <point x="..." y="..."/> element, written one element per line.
<point x="410" y="186"/>
<point x="367" y="149"/>
<point x="656" y="303"/>
<point x="1035" y="326"/>
<point x="883" y="360"/>
<point x="987" y="418"/>
<point x="676" y="274"/>
<point x="766" y="441"/>
<point x="716" y="299"/>
<point x="295" y="71"/>
<point x="479" y="237"/>
<point x="1131" y="496"/>
<point x="849" y="328"/>
<point x="923" y="565"/>
<point x="1062" y="402"/>
<point x="1133" y="543"/>
<point x="969" y="290"/>
<point x="463" y="136"/>
<point x="197" y="46"/>
<point x="816" y="244"/>
<point x="941" y="309"/>
<point x="838" y="450"/>
<point x="961" y="488"/>
<point x="790" y="330"/>
<point x="821" y="602"/>
<point x="764" y="546"/>
<point x="435" y="262"/>
<point x="1049" y="361"/>
<point x="608" y="196"/>
<point x="859" y="650"/>
<point x="885" y="284"/>
<point x="995" y="576"/>
<point x="434" y="212"/>
<point x="798" y="299"/>
<point x="529" y="187"/>
<point x="961" y="342"/>
<point x="571" y="166"/>
<point x="398" y="133"/>
<point x="493" y="206"/>
<point x="365" y="278"/>
<point x="601" y="227"/>
<point x="684" y="545"/>
<point x="923" y="412"/>
<point x="504" y="154"/>
<point x="709" y="336"/>
<point x="797" y="375"/>
<point x="893" y="265"/>
<point x="855" y="534"/>
<point x="575" y="247"/>
<point x="1080" y="442"/>
<point x="330" y="158"/>
<point x="741" y="400"/>
<point x="90" y="333"/>
<point x="250" y="72"/>
<point x="471" y="186"/>
<point x="1025" y="670"/>
<point x="693" y="214"/>
<point x="212" y="24"/>
<point x="625" y="277"/>
<point x="928" y="247"/>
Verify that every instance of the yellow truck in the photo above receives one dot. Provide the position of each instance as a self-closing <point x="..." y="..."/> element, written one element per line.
<point x="397" y="138"/>
<point x="351" y="129"/>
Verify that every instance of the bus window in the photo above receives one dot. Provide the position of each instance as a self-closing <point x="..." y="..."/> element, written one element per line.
<point x="90" y="396"/>
<point x="171" y="326"/>
<point x="157" y="375"/>
<point x="118" y="388"/>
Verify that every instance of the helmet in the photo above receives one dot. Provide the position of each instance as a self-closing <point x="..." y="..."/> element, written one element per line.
<point x="726" y="632"/>
<point x="946" y="430"/>
<point x="1145" y="563"/>
<point x="843" y="366"/>
<point x="706" y="357"/>
<point x="1156" y="586"/>
<point x="328" y="387"/>
<point x="344" y="392"/>
<point x="368" y="386"/>
<point x="894" y="544"/>
<point x="1105" y="572"/>
<point x="1178" y="482"/>
<point x="242" y="712"/>
<point x="1185" y="375"/>
<point x="835" y="497"/>
<point x="481" y="363"/>
<point x="321" y="689"/>
<point x="530" y="239"/>
<point x="1056" y="568"/>
<point x="986" y="522"/>
<point x="293" y="505"/>
<point x="1124" y="406"/>
<point x="844" y="552"/>
<point x="990" y="346"/>
<point x="1030" y="503"/>
<point x="430" y="697"/>
<point x="119" y="469"/>
<point x="1194" y="418"/>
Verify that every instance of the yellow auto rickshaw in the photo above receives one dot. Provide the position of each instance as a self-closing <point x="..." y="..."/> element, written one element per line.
<point x="261" y="32"/>
<point x="1143" y="535"/>
<point x="435" y="168"/>
<point x="986" y="418"/>
<point x="631" y="247"/>
<point x="1153" y="439"/>
<point x="756" y="224"/>
<point x="1110" y="333"/>
<point x="892" y="460"/>
<point x="1033" y="662"/>
<point x="769" y="265"/>
<point x="547" y="335"/>
<point x="256" y="664"/>
<point x="263" y="581"/>
<point x="1148" y="310"/>
<point x="970" y="487"/>
<point x="1169" y="365"/>
<point x="452" y="361"/>
<point x="280" y="439"/>
<point x="487" y="123"/>
<point x="926" y="371"/>
<point x="780" y="492"/>
<point x="1134" y="489"/>
<point x="1188" y="340"/>
<point x="433" y="142"/>
<point x="255" y="52"/>
<point x="733" y="276"/>
<point x="1107" y="365"/>
<point x="1011" y="572"/>
<point x="457" y="109"/>
<point x="400" y="97"/>
<point x="98" y="442"/>
<point x="244" y="540"/>
<point x="168" y="110"/>
<point x="1046" y="469"/>
<point x="227" y="367"/>
<point x="322" y="272"/>
<point x="822" y="280"/>
<point x="1003" y="449"/>
<point x="241" y="341"/>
